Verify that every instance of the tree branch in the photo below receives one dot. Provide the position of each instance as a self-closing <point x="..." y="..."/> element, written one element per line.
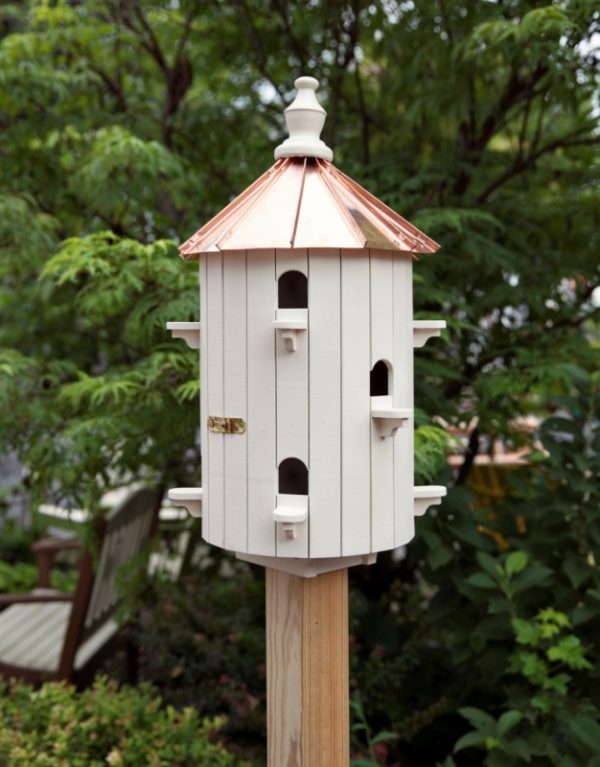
<point x="522" y="164"/>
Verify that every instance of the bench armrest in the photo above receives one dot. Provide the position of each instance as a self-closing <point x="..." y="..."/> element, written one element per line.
<point x="12" y="599"/>
<point x="45" y="551"/>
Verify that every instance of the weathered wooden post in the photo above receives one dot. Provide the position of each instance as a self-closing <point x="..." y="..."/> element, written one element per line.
<point x="306" y="353"/>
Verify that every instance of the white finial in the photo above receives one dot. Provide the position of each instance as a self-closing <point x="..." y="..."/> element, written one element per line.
<point x="305" y="118"/>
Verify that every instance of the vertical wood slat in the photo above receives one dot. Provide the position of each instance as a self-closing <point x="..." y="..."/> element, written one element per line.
<point x="214" y="375"/>
<point x="404" y="524"/>
<point x="235" y="400"/>
<point x="325" y="403"/>
<point x="356" y="429"/>
<point x="292" y="404"/>
<point x="262" y="435"/>
<point x="382" y="450"/>
<point x="204" y="367"/>
<point x="307" y="670"/>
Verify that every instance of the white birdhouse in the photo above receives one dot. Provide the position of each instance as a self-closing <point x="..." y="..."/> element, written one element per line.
<point x="306" y="356"/>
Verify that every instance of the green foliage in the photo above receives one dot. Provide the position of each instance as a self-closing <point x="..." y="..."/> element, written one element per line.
<point x="103" y="725"/>
<point x="22" y="577"/>
<point x="202" y="642"/>
<point x="376" y="745"/>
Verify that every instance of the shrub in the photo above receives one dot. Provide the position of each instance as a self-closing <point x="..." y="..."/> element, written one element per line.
<point x="202" y="644"/>
<point x="56" y="726"/>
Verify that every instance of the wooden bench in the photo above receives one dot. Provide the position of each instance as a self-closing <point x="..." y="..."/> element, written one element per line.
<point x="52" y="635"/>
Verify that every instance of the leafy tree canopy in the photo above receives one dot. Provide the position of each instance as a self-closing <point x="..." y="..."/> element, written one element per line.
<point x="128" y="124"/>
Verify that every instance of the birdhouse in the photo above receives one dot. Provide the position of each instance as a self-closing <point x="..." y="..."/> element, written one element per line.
<point x="306" y="361"/>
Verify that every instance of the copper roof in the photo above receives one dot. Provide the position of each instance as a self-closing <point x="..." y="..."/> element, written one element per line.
<point x="306" y="202"/>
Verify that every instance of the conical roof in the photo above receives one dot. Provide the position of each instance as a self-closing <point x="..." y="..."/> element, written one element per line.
<point x="304" y="201"/>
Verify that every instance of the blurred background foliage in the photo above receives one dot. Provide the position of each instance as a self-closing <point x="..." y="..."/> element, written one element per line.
<point x="125" y="125"/>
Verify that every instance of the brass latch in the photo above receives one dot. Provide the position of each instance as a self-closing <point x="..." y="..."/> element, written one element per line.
<point x="221" y="425"/>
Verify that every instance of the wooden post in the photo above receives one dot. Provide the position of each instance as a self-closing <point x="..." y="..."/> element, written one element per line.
<point x="307" y="670"/>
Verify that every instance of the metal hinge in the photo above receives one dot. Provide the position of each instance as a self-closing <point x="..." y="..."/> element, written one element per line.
<point x="221" y="425"/>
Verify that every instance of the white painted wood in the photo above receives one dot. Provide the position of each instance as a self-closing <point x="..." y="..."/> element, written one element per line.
<point x="309" y="568"/>
<point x="387" y="420"/>
<point x="356" y="424"/>
<point x="291" y="508"/>
<point x="290" y="514"/>
<point x="325" y="396"/>
<point x="213" y="297"/>
<point x="292" y="403"/>
<point x="203" y="282"/>
<point x="426" y="496"/>
<point x="304" y="119"/>
<point x="382" y="450"/>
<point x="261" y="426"/>
<point x="188" y="331"/>
<point x="289" y="323"/>
<point x="423" y="330"/>
<point x="404" y="529"/>
<point x="188" y="497"/>
<point x="235" y="400"/>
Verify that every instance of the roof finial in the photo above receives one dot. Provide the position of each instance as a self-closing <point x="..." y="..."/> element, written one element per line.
<point x="305" y="118"/>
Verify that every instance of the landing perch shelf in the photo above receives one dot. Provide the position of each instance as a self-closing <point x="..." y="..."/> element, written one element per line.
<point x="289" y="323"/>
<point x="426" y="496"/>
<point x="387" y="420"/>
<point x="189" y="497"/>
<point x="291" y="510"/>
<point x="423" y="330"/>
<point x="189" y="331"/>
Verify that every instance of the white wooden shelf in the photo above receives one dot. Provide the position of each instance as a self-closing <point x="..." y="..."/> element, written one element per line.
<point x="291" y="510"/>
<point x="288" y="323"/>
<point x="426" y="496"/>
<point x="388" y="420"/>
<point x="189" y="497"/>
<point x="189" y="331"/>
<point x="423" y="330"/>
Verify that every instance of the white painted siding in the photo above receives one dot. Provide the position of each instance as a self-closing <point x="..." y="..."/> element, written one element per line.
<point x="356" y="422"/>
<point x="235" y="393"/>
<point x="292" y="403"/>
<point x="262" y="433"/>
<point x="382" y="450"/>
<point x="404" y="525"/>
<point x="216" y="405"/>
<point x="204" y="397"/>
<point x="325" y="403"/>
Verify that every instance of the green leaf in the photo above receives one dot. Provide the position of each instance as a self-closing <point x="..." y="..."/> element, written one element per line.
<point x="526" y="632"/>
<point x="533" y="577"/>
<point x="485" y="723"/>
<point x="383" y="737"/>
<point x="570" y="651"/>
<point x="516" y="562"/>
<point x="481" y="581"/>
<point x="471" y="739"/>
<point x="586" y="730"/>
<point x="507" y="721"/>
<point x="439" y="556"/>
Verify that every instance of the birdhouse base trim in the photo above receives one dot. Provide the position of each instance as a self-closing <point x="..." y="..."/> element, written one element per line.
<point x="188" y="331"/>
<point x="426" y="496"/>
<point x="308" y="568"/>
<point x="188" y="497"/>
<point x="423" y="330"/>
